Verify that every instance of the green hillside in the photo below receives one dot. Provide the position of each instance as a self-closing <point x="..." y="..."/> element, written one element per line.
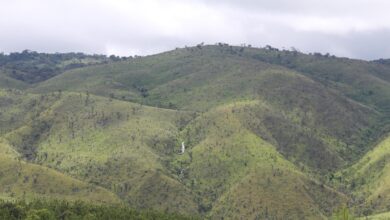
<point x="268" y="134"/>
<point x="369" y="178"/>
<point x="7" y="82"/>
<point x="120" y="147"/>
<point x="229" y="166"/>
<point x="132" y="149"/>
<point x="20" y="179"/>
<point x="32" y="67"/>
<point x="200" y="79"/>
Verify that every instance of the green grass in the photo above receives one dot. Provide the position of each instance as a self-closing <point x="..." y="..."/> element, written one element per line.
<point x="269" y="134"/>
<point x="7" y="82"/>
<point x="369" y="178"/>
<point x="114" y="144"/>
<point x="20" y="179"/>
<point x="202" y="79"/>
<point x="381" y="216"/>
<point x="132" y="149"/>
<point x="236" y="173"/>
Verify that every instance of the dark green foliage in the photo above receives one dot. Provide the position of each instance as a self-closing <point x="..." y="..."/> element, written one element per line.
<point x="27" y="141"/>
<point x="382" y="61"/>
<point x="64" y="210"/>
<point x="343" y="213"/>
<point x="32" y="67"/>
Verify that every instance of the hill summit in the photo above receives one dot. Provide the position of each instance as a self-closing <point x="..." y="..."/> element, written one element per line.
<point x="268" y="133"/>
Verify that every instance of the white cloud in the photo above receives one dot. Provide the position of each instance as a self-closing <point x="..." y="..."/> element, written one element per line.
<point x="128" y="27"/>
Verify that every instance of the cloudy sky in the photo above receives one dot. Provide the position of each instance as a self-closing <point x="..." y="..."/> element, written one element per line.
<point x="352" y="28"/>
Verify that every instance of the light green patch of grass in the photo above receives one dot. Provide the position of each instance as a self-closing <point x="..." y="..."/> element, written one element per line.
<point x="369" y="178"/>
<point x="19" y="179"/>
<point x="381" y="216"/>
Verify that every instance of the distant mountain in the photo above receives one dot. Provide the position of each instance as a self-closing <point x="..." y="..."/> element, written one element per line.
<point x="33" y="67"/>
<point x="269" y="134"/>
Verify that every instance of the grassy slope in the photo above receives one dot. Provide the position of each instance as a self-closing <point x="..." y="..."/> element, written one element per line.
<point x="365" y="82"/>
<point x="132" y="150"/>
<point x="381" y="216"/>
<point x="263" y="127"/>
<point x="20" y="179"/>
<point x="237" y="174"/>
<point x="114" y="144"/>
<point x="355" y="78"/>
<point x="199" y="79"/>
<point x="370" y="178"/>
<point x="7" y="82"/>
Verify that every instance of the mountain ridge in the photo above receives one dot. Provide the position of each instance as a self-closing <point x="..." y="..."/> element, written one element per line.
<point x="254" y="122"/>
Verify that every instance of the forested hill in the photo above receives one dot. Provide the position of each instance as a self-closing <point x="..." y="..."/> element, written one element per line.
<point x="268" y="133"/>
<point x="33" y="67"/>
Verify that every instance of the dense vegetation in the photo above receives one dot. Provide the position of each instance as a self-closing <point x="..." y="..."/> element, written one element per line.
<point x="57" y="209"/>
<point x="32" y="67"/>
<point x="268" y="133"/>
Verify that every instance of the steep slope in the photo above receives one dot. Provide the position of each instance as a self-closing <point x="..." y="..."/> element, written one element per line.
<point x="131" y="150"/>
<point x="365" y="82"/>
<point x="264" y="130"/>
<point x="19" y="179"/>
<point x="239" y="175"/>
<point x="200" y="79"/>
<point x="18" y="108"/>
<point x="370" y="178"/>
<point x="117" y="145"/>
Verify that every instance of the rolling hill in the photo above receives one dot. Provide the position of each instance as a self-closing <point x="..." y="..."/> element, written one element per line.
<point x="268" y="134"/>
<point x="200" y="79"/>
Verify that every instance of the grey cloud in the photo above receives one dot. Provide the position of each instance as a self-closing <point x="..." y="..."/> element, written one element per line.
<point x="357" y="29"/>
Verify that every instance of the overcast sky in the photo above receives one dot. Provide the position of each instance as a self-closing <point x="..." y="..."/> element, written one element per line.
<point x="352" y="28"/>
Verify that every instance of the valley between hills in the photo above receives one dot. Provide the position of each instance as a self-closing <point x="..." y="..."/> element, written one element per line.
<point x="268" y="133"/>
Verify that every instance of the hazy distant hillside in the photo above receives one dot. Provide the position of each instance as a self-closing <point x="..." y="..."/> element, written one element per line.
<point x="8" y="82"/>
<point x="268" y="134"/>
<point x="32" y="67"/>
